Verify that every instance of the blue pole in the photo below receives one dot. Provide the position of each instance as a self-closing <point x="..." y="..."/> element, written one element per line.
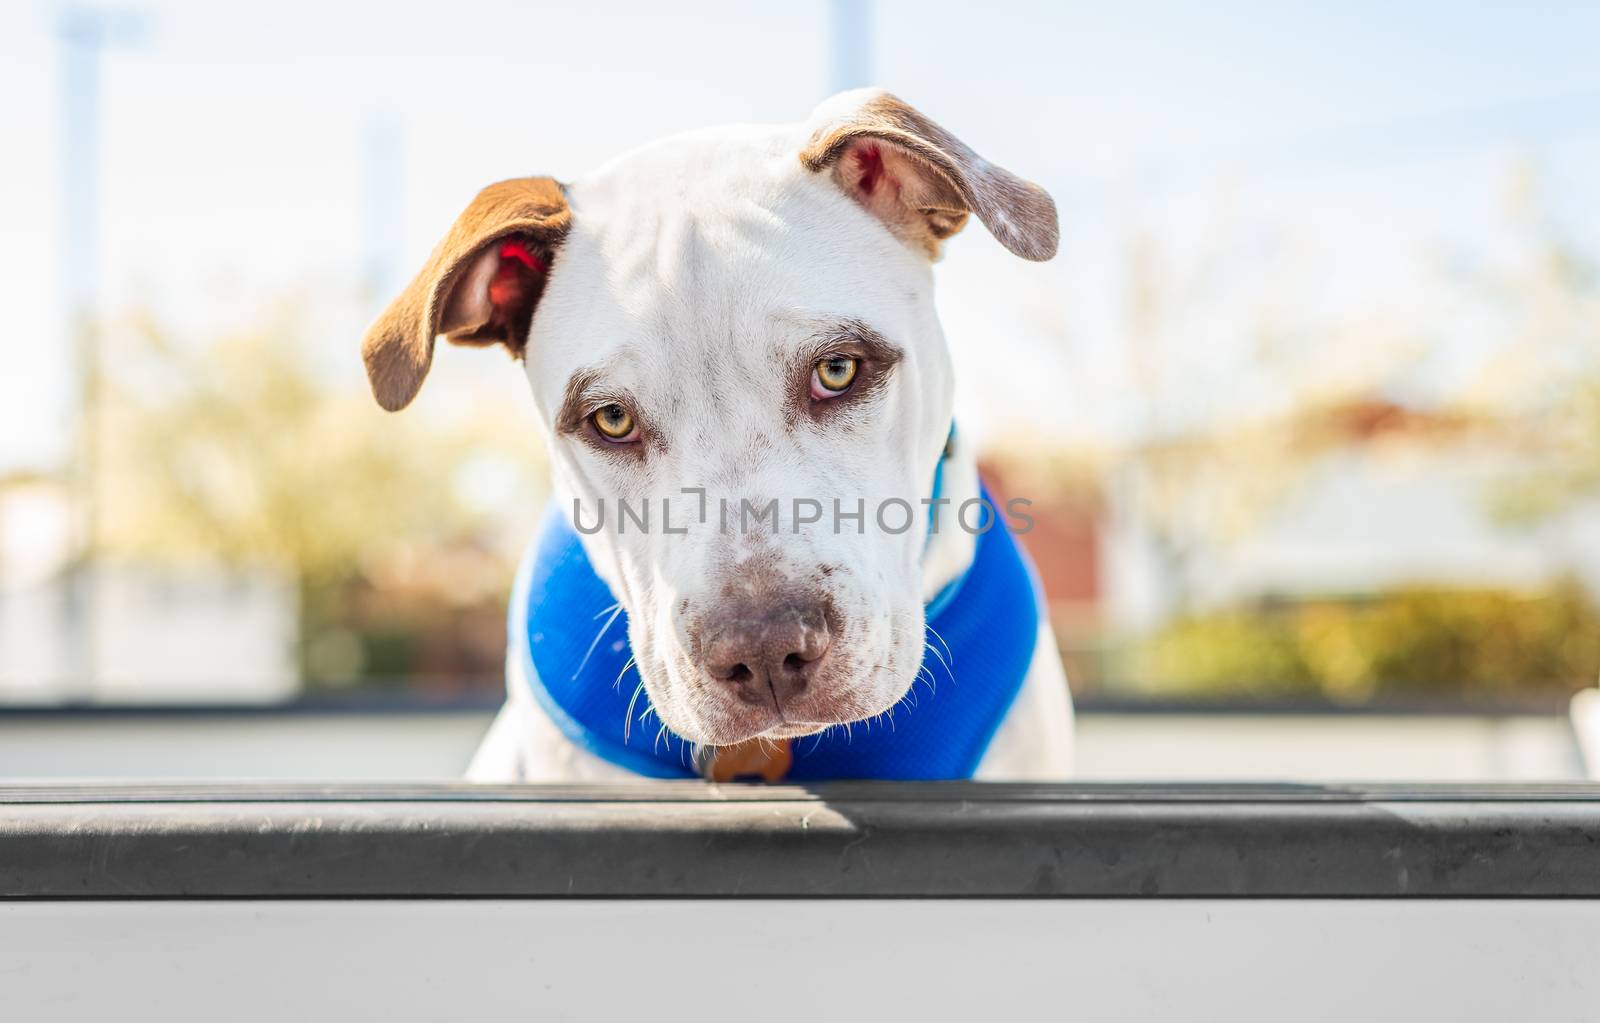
<point x="383" y="203"/>
<point x="850" y="23"/>
<point x="81" y="37"/>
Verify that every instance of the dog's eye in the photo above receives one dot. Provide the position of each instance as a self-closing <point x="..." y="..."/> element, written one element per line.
<point x="615" y="423"/>
<point x="833" y="376"/>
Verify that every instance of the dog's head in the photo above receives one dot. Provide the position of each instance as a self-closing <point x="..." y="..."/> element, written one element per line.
<point x="731" y="338"/>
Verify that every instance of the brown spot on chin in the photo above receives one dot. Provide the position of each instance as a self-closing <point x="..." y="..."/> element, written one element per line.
<point x="754" y="759"/>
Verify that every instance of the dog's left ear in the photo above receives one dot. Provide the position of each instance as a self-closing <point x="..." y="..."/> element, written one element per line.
<point x="479" y="287"/>
<point x="920" y="180"/>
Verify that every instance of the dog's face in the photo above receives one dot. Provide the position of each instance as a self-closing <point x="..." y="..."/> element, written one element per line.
<point x="731" y="338"/>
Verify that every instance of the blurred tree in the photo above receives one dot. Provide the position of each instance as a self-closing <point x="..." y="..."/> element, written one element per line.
<point x="242" y="451"/>
<point x="1412" y="643"/>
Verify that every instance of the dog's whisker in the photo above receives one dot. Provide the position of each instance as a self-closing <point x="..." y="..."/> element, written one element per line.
<point x="627" y="715"/>
<point x="618" y="680"/>
<point x="943" y="663"/>
<point x="947" y="651"/>
<point x="615" y="611"/>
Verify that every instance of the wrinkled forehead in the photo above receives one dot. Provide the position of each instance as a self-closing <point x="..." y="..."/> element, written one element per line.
<point x="716" y="242"/>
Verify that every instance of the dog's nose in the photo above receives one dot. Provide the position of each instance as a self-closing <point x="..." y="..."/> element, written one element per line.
<point x="768" y="654"/>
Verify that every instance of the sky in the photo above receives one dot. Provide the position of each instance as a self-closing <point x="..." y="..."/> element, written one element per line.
<point x="1329" y="147"/>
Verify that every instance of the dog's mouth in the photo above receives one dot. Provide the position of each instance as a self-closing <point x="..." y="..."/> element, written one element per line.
<point x="781" y="730"/>
<point x="777" y="725"/>
<point x="797" y="729"/>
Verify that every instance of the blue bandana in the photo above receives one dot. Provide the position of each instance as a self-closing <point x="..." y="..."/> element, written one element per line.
<point x="571" y="639"/>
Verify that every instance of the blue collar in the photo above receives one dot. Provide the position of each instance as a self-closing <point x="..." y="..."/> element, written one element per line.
<point x="570" y="638"/>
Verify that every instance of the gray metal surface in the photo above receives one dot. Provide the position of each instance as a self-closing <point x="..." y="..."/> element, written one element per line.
<point x="850" y="840"/>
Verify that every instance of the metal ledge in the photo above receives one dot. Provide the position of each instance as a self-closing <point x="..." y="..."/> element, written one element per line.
<point x="689" y="840"/>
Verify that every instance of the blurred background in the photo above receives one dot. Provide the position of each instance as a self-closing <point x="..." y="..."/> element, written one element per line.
<point x="1309" y="404"/>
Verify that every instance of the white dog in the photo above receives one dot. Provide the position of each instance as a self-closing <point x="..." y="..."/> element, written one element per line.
<point x="740" y="323"/>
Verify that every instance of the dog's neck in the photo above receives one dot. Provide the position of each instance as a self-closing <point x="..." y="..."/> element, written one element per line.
<point x="949" y="550"/>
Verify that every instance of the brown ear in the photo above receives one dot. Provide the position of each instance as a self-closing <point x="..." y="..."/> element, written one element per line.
<point x="479" y="287"/>
<point x="920" y="180"/>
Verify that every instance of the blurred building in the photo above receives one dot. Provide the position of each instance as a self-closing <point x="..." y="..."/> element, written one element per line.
<point x="158" y="634"/>
<point x="1352" y="497"/>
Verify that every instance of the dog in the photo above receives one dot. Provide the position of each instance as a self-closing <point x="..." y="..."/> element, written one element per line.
<point x="743" y="318"/>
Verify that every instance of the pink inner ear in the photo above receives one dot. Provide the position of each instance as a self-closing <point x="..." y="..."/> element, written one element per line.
<point x="869" y="164"/>
<point x="492" y="301"/>
<point x="517" y="249"/>
<point x="512" y="283"/>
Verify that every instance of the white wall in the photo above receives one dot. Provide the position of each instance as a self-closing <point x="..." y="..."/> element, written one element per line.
<point x="1107" y="960"/>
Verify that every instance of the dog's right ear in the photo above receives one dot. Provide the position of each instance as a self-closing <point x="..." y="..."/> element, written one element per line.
<point x="479" y="287"/>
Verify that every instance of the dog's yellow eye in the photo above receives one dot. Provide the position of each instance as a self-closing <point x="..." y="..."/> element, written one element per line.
<point x="834" y="375"/>
<point x="614" y="422"/>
